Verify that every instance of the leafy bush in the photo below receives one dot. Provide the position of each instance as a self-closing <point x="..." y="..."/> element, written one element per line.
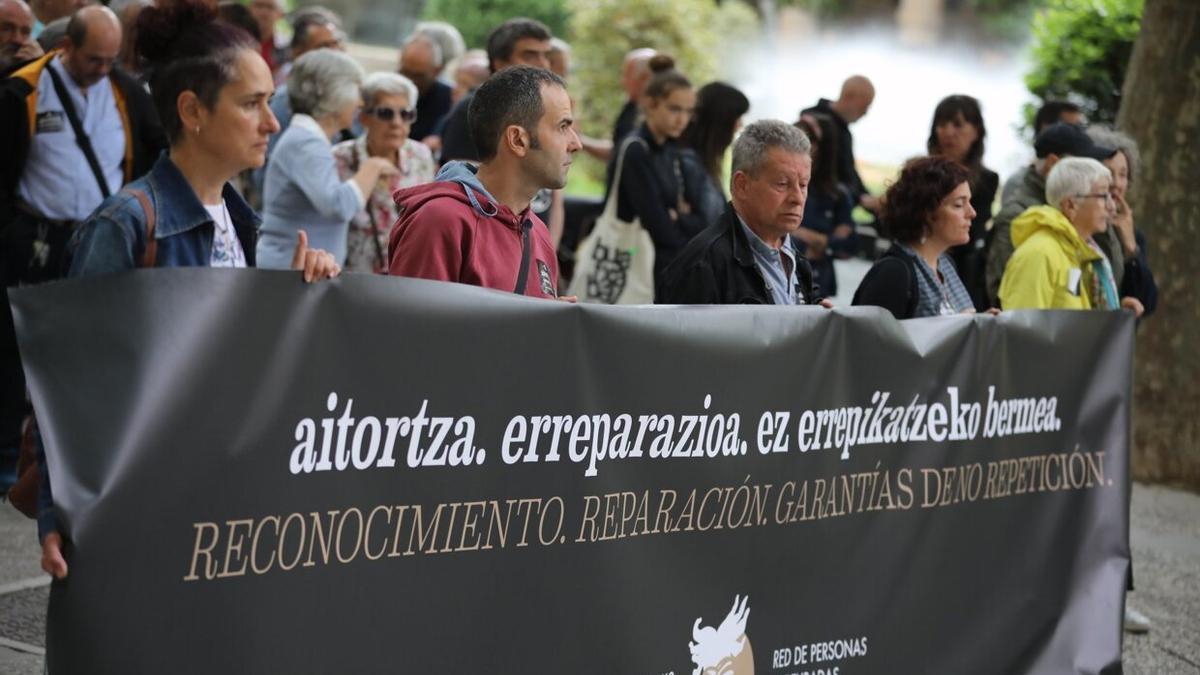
<point x="694" y="32"/>
<point x="476" y="18"/>
<point x="1080" y="53"/>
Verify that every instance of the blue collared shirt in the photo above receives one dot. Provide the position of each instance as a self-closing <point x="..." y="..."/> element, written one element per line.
<point x="57" y="182"/>
<point x="778" y="267"/>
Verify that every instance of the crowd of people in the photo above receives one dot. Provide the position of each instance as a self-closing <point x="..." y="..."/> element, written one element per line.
<point x="194" y="133"/>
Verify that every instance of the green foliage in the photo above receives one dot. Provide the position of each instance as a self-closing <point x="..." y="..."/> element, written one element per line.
<point x="694" y="32"/>
<point x="1000" y="6"/>
<point x="1007" y="20"/>
<point x="476" y="18"/>
<point x="1080" y="53"/>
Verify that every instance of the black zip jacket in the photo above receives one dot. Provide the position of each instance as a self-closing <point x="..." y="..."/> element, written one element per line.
<point x="717" y="268"/>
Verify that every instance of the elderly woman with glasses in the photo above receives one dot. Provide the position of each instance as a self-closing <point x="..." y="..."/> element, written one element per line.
<point x="303" y="189"/>
<point x="1057" y="263"/>
<point x="389" y="110"/>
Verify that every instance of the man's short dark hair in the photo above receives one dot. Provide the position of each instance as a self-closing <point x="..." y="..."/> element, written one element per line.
<point x="1052" y="112"/>
<point x="511" y="96"/>
<point x="503" y="39"/>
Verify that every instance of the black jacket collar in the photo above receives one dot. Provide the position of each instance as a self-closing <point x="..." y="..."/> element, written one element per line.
<point x="737" y="238"/>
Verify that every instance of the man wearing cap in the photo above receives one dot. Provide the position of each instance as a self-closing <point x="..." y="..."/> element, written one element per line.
<point x="1052" y="144"/>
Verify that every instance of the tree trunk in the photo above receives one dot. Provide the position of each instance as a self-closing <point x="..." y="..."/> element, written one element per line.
<point x="1161" y="111"/>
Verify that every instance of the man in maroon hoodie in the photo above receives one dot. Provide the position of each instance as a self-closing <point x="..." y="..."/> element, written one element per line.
<point x="474" y="225"/>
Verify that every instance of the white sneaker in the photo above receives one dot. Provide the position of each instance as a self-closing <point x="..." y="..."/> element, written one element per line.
<point x="1135" y="621"/>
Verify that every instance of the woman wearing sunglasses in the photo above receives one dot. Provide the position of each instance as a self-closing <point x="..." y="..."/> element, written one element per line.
<point x="389" y="110"/>
<point x="303" y="190"/>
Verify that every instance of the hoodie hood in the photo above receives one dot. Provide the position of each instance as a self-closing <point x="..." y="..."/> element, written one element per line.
<point x="464" y="174"/>
<point x="458" y="181"/>
<point x="453" y="230"/>
<point x="1052" y="220"/>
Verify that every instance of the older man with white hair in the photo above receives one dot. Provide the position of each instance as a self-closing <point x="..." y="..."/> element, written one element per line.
<point x="748" y="257"/>
<point x="422" y="60"/>
<point x="1057" y="263"/>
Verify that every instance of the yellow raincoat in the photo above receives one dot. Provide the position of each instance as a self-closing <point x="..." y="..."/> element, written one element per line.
<point x="1051" y="267"/>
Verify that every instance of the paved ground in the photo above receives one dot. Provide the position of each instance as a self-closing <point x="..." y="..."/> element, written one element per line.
<point x="1166" y="550"/>
<point x="1166" y="567"/>
<point x="24" y="591"/>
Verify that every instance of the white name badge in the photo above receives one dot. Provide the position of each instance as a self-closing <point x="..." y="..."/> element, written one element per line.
<point x="1073" y="277"/>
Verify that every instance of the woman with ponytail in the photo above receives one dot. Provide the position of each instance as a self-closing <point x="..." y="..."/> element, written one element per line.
<point x="653" y="188"/>
<point x="210" y="88"/>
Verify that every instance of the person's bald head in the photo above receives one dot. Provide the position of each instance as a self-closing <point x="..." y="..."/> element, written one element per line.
<point x="92" y="45"/>
<point x="16" y="25"/>
<point x="636" y="72"/>
<point x="855" y="99"/>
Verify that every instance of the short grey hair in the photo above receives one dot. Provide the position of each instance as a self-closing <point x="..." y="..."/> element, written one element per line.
<point x="751" y="147"/>
<point x="447" y="37"/>
<point x="1074" y="176"/>
<point x="1108" y="137"/>
<point x="305" y="19"/>
<point x="439" y="54"/>
<point x="323" y="82"/>
<point x="388" y="84"/>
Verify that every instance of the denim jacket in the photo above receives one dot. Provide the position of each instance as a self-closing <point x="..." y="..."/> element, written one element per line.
<point x="113" y="238"/>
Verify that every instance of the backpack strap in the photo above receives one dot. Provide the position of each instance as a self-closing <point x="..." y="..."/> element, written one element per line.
<point x="914" y="292"/>
<point x="150" y="252"/>
<point x="526" y="245"/>
<point x="81" y="137"/>
<point x="909" y="266"/>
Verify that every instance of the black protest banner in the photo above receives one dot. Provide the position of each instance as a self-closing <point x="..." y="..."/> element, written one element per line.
<point x="389" y="475"/>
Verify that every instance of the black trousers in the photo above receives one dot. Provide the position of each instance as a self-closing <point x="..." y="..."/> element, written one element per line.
<point x="32" y="250"/>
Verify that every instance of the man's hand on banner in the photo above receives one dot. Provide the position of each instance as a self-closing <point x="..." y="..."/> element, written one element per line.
<point x="314" y="263"/>
<point x="53" y="562"/>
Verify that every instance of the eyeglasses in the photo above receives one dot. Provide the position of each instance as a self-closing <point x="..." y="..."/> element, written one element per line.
<point x="1106" y="196"/>
<point x="389" y="114"/>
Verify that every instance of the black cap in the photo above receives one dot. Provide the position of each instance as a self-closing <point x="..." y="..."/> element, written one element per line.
<point x="1063" y="138"/>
